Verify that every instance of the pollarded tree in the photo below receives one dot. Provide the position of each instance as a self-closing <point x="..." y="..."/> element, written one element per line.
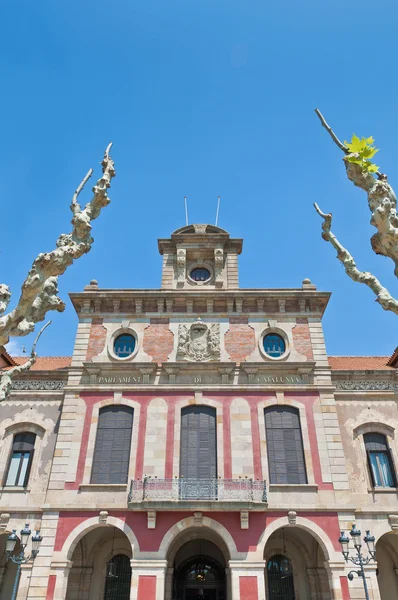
<point x="382" y="203"/>
<point x="39" y="292"/>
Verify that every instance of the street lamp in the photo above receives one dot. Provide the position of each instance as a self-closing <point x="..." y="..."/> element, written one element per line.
<point x="358" y="560"/>
<point x="21" y="558"/>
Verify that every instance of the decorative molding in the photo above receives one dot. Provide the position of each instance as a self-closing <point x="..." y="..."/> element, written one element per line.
<point x="151" y="519"/>
<point x="4" y="518"/>
<point x="198" y="519"/>
<point x="244" y="519"/>
<point x="219" y="266"/>
<point x="292" y="517"/>
<point x="103" y="517"/>
<point x="38" y="385"/>
<point x="393" y="521"/>
<point x="364" y="385"/>
<point x="199" y="342"/>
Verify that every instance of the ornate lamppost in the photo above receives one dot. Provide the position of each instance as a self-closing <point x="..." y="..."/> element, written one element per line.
<point x="359" y="560"/>
<point x="21" y="558"/>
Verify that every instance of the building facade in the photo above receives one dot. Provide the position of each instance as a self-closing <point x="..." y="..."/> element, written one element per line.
<point x="200" y="444"/>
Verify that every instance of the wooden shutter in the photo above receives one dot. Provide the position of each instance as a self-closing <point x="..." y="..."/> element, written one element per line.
<point x="284" y="445"/>
<point x="198" y="454"/>
<point x="112" y="445"/>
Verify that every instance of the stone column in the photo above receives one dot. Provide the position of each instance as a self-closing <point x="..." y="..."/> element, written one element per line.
<point x="148" y="579"/>
<point x="371" y="580"/>
<point x="248" y="577"/>
<point x="168" y="594"/>
<point x="335" y="570"/>
<point x="60" y="572"/>
<point x="24" y="581"/>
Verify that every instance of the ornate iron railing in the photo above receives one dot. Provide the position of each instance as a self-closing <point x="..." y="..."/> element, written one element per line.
<point x="152" y="489"/>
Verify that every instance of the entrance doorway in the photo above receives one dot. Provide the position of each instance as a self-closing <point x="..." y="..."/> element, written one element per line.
<point x="200" y="578"/>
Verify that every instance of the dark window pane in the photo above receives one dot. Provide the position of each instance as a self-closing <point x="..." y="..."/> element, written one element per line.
<point x="380" y="460"/>
<point x="200" y="274"/>
<point x="274" y="345"/>
<point x="124" y="345"/>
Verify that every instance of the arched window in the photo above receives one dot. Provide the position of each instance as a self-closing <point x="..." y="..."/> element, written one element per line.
<point x="20" y="460"/>
<point x="280" y="578"/>
<point x="198" y="453"/>
<point x="284" y="445"/>
<point x="112" y="445"/>
<point x="118" y="578"/>
<point x="380" y="460"/>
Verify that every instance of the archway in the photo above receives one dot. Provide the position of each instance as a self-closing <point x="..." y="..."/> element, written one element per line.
<point x="387" y="565"/>
<point x="101" y="567"/>
<point x="8" y="569"/>
<point x="295" y="566"/>
<point x="199" y="572"/>
<point x="197" y="561"/>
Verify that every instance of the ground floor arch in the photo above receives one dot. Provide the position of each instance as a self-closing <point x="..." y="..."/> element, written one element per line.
<point x="387" y="565"/>
<point x="101" y="566"/>
<point x="295" y="566"/>
<point x="197" y="566"/>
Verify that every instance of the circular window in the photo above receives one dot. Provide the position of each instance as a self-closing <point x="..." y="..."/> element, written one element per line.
<point x="274" y="345"/>
<point x="124" y="345"/>
<point x="200" y="274"/>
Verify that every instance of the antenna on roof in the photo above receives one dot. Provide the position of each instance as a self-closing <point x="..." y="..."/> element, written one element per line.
<point x="218" y="210"/>
<point x="186" y="210"/>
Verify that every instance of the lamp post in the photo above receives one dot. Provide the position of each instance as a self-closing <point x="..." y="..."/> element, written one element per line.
<point x="21" y="558"/>
<point x="359" y="560"/>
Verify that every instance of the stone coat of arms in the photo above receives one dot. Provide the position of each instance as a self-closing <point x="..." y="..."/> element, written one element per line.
<point x="199" y="342"/>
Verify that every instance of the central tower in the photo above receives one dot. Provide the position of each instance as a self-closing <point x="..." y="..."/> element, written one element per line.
<point x="200" y="256"/>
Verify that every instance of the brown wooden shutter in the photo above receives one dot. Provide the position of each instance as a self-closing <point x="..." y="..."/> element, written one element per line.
<point x="198" y="454"/>
<point x="284" y="445"/>
<point x="112" y="445"/>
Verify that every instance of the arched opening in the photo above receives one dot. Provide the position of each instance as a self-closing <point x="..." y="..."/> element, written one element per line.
<point x="295" y="566"/>
<point x="197" y="561"/>
<point x="280" y="578"/>
<point x="8" y="569"/>
<point x="101" y="567"/>
<point x="199" y="572"/>
<point x="387" y="565"/>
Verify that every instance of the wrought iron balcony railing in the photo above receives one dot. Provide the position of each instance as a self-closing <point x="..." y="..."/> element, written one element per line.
<point x="151" y="489"/>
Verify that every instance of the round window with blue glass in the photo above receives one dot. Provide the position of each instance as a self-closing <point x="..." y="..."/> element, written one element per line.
<point x="274" y="345"/>
<point x="124" y="345"/>
<point x="200" y="274"/>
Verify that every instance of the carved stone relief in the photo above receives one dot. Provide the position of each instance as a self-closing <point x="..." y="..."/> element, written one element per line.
<point x="366" y="385"/>
<point x="199" y="342"/>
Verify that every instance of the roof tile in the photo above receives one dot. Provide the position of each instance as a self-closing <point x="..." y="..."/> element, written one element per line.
<point x="359" y="363"/>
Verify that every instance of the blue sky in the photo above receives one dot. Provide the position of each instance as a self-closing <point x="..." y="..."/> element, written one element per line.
<point x="200" y="99"/>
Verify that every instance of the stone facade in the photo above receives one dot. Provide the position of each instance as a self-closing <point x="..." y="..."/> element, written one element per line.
<point x="199" y="345"/>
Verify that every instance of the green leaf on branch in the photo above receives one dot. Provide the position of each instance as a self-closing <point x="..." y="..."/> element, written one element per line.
<point x="360" y="153"/>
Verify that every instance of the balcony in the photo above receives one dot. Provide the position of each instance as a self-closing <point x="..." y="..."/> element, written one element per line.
<point x="180" y="493"/>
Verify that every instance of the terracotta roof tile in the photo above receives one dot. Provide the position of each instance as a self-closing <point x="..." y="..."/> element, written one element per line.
<point x="46" y="363"/>
<point x="359" y="363"/>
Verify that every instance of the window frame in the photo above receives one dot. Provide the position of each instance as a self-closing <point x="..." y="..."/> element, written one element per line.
<point x="276" y="331"/>
<point x="390" y="461"/>
<point x="111" y="343"/>
<point x="304" y="475"/>
<point x="20" y="464"/>
<point x="108" y="408"/>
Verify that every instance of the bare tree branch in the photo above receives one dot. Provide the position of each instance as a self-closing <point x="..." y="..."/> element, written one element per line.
<point x="331" y="132"/>
<point x="382" y="294"/>
<point x="40" y="288"/>
<point x="382" y="204"/>
<point x="6" y="377"/>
